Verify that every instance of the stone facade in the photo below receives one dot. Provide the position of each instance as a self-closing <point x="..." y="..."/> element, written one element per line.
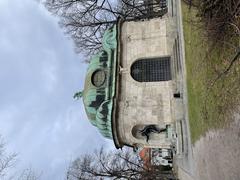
<point x="144" y="103"/>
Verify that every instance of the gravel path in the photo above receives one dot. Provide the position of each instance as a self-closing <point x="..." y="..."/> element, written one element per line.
<point x="217" y="155"/>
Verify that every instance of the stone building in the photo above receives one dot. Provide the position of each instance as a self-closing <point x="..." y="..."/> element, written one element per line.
<point x="135" y="82"/>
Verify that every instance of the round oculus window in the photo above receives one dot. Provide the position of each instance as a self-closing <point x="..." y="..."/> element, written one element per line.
<point x="98" y="78"/>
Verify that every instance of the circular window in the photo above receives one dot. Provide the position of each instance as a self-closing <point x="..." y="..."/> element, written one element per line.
<point x="98" y="78"/>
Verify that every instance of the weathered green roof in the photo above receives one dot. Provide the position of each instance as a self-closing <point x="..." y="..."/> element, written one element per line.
<point x="98" y="100"/>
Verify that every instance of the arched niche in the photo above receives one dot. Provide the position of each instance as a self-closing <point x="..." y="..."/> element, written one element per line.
<point x="152" y="69"/>
<point x="136" y="132"/>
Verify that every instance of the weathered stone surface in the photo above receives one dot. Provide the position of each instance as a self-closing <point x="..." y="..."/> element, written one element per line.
<point x="144" y="103"/>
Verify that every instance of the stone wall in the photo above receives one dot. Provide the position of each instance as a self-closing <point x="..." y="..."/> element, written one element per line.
<point x="144" y="103"/>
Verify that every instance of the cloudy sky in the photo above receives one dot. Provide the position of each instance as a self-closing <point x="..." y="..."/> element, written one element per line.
<point x="39" y="73"/>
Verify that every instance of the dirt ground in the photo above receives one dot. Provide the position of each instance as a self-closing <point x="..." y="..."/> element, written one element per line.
<point x="217" y="155"/>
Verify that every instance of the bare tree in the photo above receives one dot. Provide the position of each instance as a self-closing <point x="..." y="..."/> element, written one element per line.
<point x="221" y="18"/>
<point x="222" y="23"/>
<point x="6" y="160"/>
<point x="28" y="174"/>
<point x="112" y="165"/>
<point x="87" y="20"/>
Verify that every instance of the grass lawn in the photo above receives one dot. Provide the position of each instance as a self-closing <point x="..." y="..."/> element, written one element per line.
<point x="210" y="104"/>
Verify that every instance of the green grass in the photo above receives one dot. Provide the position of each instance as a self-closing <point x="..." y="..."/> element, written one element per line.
<point x="210" y="106"/>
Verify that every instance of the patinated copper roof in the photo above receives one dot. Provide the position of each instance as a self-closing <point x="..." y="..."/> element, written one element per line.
<point x="98" y="96"/>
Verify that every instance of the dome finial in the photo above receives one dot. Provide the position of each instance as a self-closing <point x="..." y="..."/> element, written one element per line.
<point x="78" y="95"/>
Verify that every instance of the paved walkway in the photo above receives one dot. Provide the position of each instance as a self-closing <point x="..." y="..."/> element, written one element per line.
<point x="217" y="155"/>
<point x="183" y="175"/>
<point x="185" y="160"/>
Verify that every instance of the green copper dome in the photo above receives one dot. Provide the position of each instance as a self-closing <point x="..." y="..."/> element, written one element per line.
<point x="99" y="89"/>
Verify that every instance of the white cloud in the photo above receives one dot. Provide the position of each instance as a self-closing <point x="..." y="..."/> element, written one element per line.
<point x="50" y="71"/>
